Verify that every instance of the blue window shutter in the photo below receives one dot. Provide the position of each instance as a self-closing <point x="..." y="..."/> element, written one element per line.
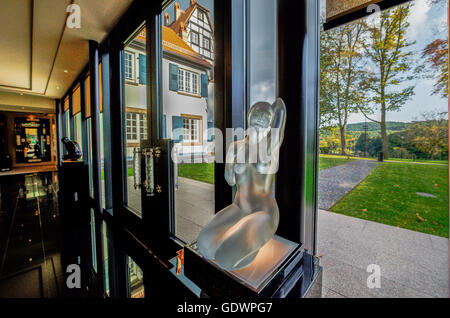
<point x="164" y="127"/>
<point x="177" y="122"/>
<point x="205" y="81"/>
<point x="142" y="69"/>
<point x="210" y="134"/>
<point x="173" y="77"/>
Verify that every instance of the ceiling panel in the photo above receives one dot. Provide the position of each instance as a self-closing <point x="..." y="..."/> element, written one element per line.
<point x="15" y="43"/>
<point x="52" y="55"/>
<point x="98" y="17"/>
<point x="47" y="34"/>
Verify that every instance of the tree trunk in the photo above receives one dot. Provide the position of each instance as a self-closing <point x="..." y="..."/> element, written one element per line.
<point x="384" y="137"/>
<point x="342" y="130"/>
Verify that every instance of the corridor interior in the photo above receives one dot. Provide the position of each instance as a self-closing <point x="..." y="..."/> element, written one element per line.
<point x="30" y="237"/>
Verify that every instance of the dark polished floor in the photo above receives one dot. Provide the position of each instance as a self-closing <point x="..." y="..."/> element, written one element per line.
<point x="30" y="237"/>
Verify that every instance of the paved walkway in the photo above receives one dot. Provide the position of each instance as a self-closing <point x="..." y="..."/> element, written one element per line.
<point x="412" y="264"/>
<point x="194" y="208"/>
<point x="335" y="182"/>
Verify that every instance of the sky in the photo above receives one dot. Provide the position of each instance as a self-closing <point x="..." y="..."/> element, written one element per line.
<point x="426" y="24"/>
<point x="184" y="4"/>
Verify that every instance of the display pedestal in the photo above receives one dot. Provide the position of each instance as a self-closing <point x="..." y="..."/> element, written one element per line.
<point x="276" y="272"/>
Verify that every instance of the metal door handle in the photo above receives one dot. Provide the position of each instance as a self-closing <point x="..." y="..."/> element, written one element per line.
<point x="149" y="172"/>
<point x="136" y="170"/>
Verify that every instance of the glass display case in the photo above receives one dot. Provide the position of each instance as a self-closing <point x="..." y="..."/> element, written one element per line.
<point x="33" y="141"/>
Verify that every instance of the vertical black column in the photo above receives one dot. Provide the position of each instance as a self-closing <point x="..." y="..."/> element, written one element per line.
<point x="298" y="84"/>
<point x="222" y="95"/>
<point x="96" y="161"/>
<point x="119" y="289"/>
<point x="58" y="130"/>
<point x="95" y="119"/>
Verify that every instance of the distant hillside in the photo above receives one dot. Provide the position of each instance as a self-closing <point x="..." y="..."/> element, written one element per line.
<point x="371" y="126"/>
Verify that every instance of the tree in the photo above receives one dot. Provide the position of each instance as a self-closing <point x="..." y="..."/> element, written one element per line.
<point x="387" y="51"/>
<point x="431" y="135"/>
<point x="436" y="54"/>
<point x="341" y="50"/>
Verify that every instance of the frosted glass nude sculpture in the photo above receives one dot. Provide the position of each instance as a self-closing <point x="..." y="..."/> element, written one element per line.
<point x="236" y="234"/>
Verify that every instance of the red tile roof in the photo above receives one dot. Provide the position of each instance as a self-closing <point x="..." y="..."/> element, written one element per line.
<point x="174" y="44"/>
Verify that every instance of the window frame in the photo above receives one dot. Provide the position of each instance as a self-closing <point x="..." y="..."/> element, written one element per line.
<point x="197" y="42"/>
<point x="206" y="40"/>
<point x="193" y="124"/>
<point x="186" y="86"/>
<point x="132" y="55"/>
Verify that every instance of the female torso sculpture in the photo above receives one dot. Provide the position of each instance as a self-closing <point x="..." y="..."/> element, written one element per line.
<point x="235" y="235"/>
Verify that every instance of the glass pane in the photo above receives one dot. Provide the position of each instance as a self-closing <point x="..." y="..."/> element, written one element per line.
<point x="67" y="123"/>
<point x="106" y="258"/>
<point x="102" y="161"/>
<point x="135" y="108"/>
<point x="188" y="110"/>
<point x="262" y="49"/>
<point x="381" y="191"/>
<point x="77" y="129"/>
<point x="89" y="140"/>
<point x="135" y="280"/>
<point x="93" y="241"/>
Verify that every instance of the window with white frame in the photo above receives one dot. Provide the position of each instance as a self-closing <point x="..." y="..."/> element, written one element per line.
<point x="143" y="126"/>
<point x="188" y="82"/>
<point x="194" y="37"/>
<point x="136" y="127"/>
<point x="132" y="127"/>
<point x="200" y="15"/>
<point x="129" y="66"/>
<point x="206" y="44"/>
<point x="191" y="130"/>
<point x="195" y="84"/>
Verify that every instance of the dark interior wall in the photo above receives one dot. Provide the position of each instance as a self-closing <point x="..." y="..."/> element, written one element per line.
<point x="8" y="119"/>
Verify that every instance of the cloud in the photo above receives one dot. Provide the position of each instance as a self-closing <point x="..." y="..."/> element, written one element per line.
<point x="418" y="17"/>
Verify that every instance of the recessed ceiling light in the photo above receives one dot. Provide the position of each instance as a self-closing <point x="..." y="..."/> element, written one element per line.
<point x="57" y="87"/>
<point x="66" y="71"/>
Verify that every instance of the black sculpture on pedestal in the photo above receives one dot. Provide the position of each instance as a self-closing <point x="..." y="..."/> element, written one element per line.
<point x="73" y="149"/>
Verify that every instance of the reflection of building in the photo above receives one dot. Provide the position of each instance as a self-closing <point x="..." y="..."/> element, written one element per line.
<point x="135" y="280"/>
<point x="187" y="71"/>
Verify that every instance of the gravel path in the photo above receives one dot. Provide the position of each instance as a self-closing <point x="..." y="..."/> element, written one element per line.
<point x="335" y="182"/>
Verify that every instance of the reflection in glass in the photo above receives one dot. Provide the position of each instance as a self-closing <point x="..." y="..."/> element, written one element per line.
<point x="262" y="44"/>
<point x="106" y="259"/>
<point x="135" y="280"/>
<point x="135" y="108"/>
<point x="77" y="130"/>
<point x="188" y="110"/>
<point x="91" y="172"/>
<point x="93" y="241"/>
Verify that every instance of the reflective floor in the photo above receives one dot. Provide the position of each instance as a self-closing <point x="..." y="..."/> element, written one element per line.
<point x="30" y="248"/>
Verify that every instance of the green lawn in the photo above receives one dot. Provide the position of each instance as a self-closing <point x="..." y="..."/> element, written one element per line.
<point x="328" y="161"/>
<point x="130" y="172"/>
<point x="203" y="172"/>
<point x="388" y="195"/>
<point x="442" y="162"/>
